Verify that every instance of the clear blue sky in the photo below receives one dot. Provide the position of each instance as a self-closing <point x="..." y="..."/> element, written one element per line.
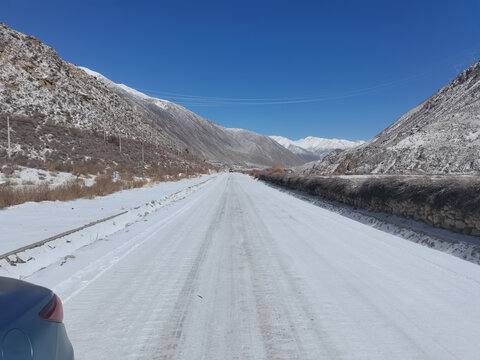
<point x="344" y="69"/>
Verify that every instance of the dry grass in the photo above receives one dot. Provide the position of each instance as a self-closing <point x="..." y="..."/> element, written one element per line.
<point x="10" y="195"/>
<point x="255" y="173"/>
<point x="275" y="170"/>
<point x="13" y="195"/>
<point x="83" y="151"/>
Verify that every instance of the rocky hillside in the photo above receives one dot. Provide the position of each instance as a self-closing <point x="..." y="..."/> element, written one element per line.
<point x="313" y="148"/>
<point x="35" y="81"/>
<point x="441" y="135"/>
<point x="60" y="113"/>
<point x="215" y="142"/>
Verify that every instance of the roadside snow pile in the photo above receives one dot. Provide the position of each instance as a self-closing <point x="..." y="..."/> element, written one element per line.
<point x="448" y="202"/>
<point x="460" y="245"/>
<point x="28" y="223"/>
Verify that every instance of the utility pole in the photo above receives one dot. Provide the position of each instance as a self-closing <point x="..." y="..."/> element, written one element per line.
<point x="143" y="154"/>
<point x="8" y="136"/>
<point x="104" y="135"/>
<point x="120" y="141"/>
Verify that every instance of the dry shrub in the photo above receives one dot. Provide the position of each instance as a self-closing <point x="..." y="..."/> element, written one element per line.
<point x="8" y="170"/>
<point x="83" y="151"/>
<point x="59" y="166"/>
<point x="253" y="173"/>
<point x="104" y="186"/>
<point x="137" y="184"/>
<point x="10" y="195"/>
<point x="424" y="198"/>
<point x="88" y="167"/>
<point x="276" y="170"/>
<point x="77" y="168"/>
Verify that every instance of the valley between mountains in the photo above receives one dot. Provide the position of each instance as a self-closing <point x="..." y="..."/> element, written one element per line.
<point x="170" y="236"/>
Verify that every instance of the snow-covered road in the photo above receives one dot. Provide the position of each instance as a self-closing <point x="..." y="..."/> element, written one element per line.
<point x="238" y="270"/>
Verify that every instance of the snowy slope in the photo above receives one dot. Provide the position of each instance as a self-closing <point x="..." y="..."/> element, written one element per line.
<point x="321" y="146"/>
<point x="313" y="148"/>
<point x="39" y="90"/>
<point x="215" y="142"/>
<point x="441" y="135"/>
<point x="238" y="270"/>
<point x="38" y="84"/>
<point x="60" y="115"/>
<point x="297" y="150"/>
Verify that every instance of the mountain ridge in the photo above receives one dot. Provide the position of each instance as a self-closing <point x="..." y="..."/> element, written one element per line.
<point x="39" y="90"/>
<point x="214" y="141"/>
<point x="313" y="148"/>
<point x="440" y="135"/>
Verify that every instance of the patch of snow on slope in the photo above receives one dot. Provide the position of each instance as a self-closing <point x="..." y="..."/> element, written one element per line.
<point x="26" y="177"/>
<point x="111" y="83"/>
<point x="132" y="91"/>
<point x="285" y="142"/>
<point x="161" y="103"/>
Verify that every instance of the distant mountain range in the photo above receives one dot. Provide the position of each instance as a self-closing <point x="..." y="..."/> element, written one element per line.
<point x="46" y="97"/>
<point x="313" y="148"/>
<point x="439" y="136"/>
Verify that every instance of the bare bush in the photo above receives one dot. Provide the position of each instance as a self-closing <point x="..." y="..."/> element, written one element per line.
<point x="276" y="170"/>
<point x="84" y="151"/>
<point x="10" y="195"/>
<point x="13" y="195"/>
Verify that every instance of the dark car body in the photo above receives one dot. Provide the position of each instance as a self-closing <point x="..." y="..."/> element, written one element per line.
<point x="25" y="331"/>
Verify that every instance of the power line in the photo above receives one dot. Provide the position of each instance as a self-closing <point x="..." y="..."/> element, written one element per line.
<point x="196" y="100"/>
<point x="199" y="100"/>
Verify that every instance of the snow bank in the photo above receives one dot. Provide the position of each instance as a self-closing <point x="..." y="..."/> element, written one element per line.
<point x="424" y="210"/>
<point x="31" y="222"/>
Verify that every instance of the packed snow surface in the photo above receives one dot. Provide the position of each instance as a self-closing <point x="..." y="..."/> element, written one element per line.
<point x="239" y="270"/>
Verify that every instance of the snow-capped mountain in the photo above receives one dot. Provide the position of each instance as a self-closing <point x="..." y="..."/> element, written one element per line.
<point x="441" y="135"/>
<point x="321" y="146"/>
<point x="46" y="97"/>
<point x="313" y="148"/>
<point x="297" y="150"/>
